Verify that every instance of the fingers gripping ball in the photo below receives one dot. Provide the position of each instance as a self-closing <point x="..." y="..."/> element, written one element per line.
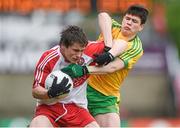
<point x="58" y="84"/>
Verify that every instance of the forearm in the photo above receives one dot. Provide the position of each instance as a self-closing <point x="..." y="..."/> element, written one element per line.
<point x="105" y="24"/>
<point x="113" y="66"/>
<point x="40" y="93"/>
<point x="119" y="46"/>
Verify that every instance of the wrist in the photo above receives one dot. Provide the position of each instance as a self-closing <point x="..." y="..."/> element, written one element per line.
<point x="107" y="48"/>
<point x="85" y="70"/>
<point x="111" y="56"/>
<point x="92" y="69"/>
<point x="49" y="94"/>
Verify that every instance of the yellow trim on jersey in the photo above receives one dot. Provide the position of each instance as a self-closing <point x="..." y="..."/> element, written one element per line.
<point x="109" y="84"/>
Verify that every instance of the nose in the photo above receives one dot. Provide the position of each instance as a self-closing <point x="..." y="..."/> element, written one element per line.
<point x="79" y="54"/>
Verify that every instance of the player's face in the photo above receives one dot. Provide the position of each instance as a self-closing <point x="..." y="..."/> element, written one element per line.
<point x="131" y="25"/>
<point x="72" y="53"/>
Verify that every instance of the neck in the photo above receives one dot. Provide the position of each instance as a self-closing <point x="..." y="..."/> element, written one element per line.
<point x="127" y="37"/>
<point x="131" y="37"/>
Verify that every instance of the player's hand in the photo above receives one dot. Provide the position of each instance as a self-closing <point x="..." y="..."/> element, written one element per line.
<point x="75" y="70"/>
<point x="104" y="58"/>
<point x="59" y="89"/>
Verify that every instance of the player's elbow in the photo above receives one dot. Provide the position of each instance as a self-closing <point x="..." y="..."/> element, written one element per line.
<point x="34" y="94"/>
<point x="112" y="69"/>
<point x="103" y="15"/>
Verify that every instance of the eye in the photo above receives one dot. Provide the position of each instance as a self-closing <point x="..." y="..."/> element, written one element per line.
<point x="76" y="50"/>
<point x="134" y="21"/>
<point x="127" y="18"/>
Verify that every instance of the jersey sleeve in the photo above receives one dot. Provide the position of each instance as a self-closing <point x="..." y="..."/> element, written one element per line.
<point x="41" y="72"/>
<point x="44" y="67"/>
<point x="133" y="54"/>
<point x="94" y="47"/>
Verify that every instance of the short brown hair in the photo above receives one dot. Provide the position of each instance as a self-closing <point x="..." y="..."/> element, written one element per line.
<point x="139" y="11"/>
<point x="73" y="34"/>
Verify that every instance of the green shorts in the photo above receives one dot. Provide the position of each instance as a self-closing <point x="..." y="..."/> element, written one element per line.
<point x="101" y="104"/>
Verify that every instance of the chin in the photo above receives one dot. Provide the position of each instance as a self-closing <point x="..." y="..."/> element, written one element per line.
<point x="73" y="61"/>
<point x="126" y="33"/>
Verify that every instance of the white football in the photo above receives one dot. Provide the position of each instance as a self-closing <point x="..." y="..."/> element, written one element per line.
<point x="60" y="75"/>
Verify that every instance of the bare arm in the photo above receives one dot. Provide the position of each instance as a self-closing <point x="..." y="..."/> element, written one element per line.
<point x="40" y="93"/>
<point x="119" y="46"/>
<point x="105" y="24"/>
<point x="115" y="65"/>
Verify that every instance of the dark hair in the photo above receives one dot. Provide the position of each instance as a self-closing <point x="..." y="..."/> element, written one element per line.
<point x="139" y="11"/>
<point x="73" y="34"/>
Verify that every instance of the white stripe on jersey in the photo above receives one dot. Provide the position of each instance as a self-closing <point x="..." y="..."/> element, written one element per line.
<point x="46" y="63"/>
<point x="41" y="66"/>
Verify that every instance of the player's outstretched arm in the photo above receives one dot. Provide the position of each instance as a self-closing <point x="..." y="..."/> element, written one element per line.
<point x="75" y="70"/>
<point x="113" y="66"/>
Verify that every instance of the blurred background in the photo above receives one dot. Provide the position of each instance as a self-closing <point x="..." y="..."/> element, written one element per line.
<point x="150" y="96"/>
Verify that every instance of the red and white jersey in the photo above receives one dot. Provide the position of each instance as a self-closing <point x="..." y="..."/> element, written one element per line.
<point x="52" y="60"/>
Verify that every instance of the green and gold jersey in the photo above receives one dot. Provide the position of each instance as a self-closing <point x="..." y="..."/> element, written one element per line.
<point x="109" y="84"/>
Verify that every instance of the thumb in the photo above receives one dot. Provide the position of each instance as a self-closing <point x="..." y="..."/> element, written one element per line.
<point x="95" y="55"/>
<point x="54" y="80"/>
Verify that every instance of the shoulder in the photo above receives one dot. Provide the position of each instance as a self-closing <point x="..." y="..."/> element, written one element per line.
<point x="136" y="43"/>
<point x="116" y="28"/>
<point x="134" y="47"/>
<point x="133" y="53"/>
<point x="53" y="51"/>
<point x="49" y="55"/>
<point x="94" y="47"/>
<point x="115" y="24"/>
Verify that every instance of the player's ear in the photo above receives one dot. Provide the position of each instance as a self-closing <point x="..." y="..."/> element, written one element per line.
<point x="141" y="27"/>
<point x="62" y="47"/>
